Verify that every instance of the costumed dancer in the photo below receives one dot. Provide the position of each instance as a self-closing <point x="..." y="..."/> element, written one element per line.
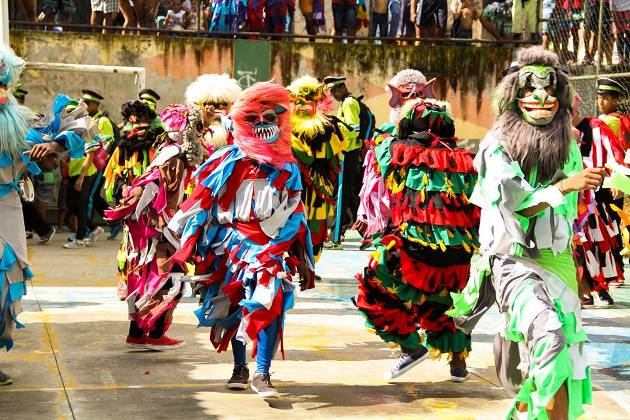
<point x="214" y="94"/>
<point x="597" y="232"/>
<point x="134" y="152"/>
<point x="317" y="142"/>
<point x="373" y="213"/>
<point x="20" y="148"/>
<point x="530" y="172"/>
<point x="609" y="93"/>
<point x="425" y="250"/>
<point x="145" y="209"/>
<point x="245" y="231"/>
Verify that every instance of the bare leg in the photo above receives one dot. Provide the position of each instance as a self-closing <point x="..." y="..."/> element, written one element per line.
<point x="558" y="407"/>
<point x="128" y="14"/>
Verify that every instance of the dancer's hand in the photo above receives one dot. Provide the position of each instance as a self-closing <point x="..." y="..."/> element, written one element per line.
<point x="41" y="150"/>
<point x="587" y="179"/>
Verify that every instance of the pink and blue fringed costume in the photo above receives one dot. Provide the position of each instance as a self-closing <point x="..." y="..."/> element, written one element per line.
<point x="245" y="230"/>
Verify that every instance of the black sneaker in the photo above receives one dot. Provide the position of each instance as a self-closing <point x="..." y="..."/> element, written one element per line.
<point x="240" y="377"/>
<point x="587" y="301"/>
<point x="261" y="383"/>
<point x="406" y="362"/>
<point x="459" y="373"/>
<point x="605" y="298"/>
<point x="46" y="239"/>
<point x="365" y="245"/>
<point x="5" y="379"/>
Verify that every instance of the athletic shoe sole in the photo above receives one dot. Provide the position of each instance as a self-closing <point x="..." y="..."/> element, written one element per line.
<point x="136" y="346"/>
<point x="389" y="377"/>
<point x="164" y="348"/>
<point x="7" y="382"/>
<point x="237" y="387"/>
<point x="267" y="394"/>
<point x="458" y="378"/>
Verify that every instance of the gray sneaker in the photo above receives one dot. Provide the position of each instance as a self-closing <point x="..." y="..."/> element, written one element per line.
<point x="406" y="361"/>
<point x="240" y="377"/>
<point x="261" y="383"/>
<point x="46" y="239"/>
<point x="96" y="233"/>
<point x="5" y="379"/>
<point x="76" y="244"/>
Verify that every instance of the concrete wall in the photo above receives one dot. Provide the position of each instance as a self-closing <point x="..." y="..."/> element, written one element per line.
<point x="465" y="75"/>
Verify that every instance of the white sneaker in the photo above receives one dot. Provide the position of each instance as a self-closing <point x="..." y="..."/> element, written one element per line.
<point x="96" y="233"/>
<point x="76" y="244"/>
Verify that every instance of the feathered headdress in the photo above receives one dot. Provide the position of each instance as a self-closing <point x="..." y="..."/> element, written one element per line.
<point x="249" y="109"/>
<point x="213" y="88"/>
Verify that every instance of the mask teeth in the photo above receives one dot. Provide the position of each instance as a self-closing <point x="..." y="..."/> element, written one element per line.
<point x="266" y="133"/>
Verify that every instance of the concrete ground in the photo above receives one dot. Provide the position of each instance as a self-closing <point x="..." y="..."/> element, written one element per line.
<point x="71" y="362"/>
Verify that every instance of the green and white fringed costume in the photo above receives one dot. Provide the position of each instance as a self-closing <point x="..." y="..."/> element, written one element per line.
<point x="528" y="270"/>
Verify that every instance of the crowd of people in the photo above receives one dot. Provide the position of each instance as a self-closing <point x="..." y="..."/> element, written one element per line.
<point x="555" y="21"/>
<point x="238" y="192"/>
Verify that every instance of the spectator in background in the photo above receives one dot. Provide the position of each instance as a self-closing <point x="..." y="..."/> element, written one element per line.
<point x="378" y="18"/>
<point x="408" y="29"/>
<point x="395" y="11"/>
<point x="525" y="18"/>
<point x="129" y="15"/>
<point x="306" y="7"/>
<point x="275" y="16"/>
<point x="496" y="19"/>
<point x="465" y="13"/>
<point x="103" y="12"/>
<point x="621" y="17"/>
<point x="547" y="16"/>
<point x="28" y="7"/>
<point x="567" y="16"/>
<point x="177" y="18"/>
<point x="591" y="30"/>
<point x="146" y="12"/>
<point x="57" y="11"/>
<point x="429" y="17"/>
<point x="345" y="17"/>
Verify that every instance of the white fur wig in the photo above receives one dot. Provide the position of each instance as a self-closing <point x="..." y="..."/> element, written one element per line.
<point x="213" y="88"/>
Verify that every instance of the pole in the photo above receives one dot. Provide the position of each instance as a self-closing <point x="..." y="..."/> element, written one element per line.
<point x="337" y="235"/>
<point x="4" y="21"/>
<point x="598" y="65"/>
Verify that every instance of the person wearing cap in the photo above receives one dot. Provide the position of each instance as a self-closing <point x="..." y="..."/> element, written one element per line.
<point x="608" y="92"/>
<point x="151" y="98"/>
<point x="19" y="93"/>
<point x="82" y="175"/>
<point x="349" y="113"/>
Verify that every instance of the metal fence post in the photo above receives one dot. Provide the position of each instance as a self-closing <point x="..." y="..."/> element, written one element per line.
<point x="600" y="27"/>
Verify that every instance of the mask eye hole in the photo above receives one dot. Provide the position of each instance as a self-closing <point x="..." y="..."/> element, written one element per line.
<point x="270" y="116"/>
<point x="251" y="118"/>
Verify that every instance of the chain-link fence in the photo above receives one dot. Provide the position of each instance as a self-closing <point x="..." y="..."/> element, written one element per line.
<point x="592" y="38"/>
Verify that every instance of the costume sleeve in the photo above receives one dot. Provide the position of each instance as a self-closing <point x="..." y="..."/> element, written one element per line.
<point x="502" y="183"/>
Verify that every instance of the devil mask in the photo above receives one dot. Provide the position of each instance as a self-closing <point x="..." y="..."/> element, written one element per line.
<point x="261" y="124"/>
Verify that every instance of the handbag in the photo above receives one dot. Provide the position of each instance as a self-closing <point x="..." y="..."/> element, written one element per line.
<point x="100" y="157"/>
